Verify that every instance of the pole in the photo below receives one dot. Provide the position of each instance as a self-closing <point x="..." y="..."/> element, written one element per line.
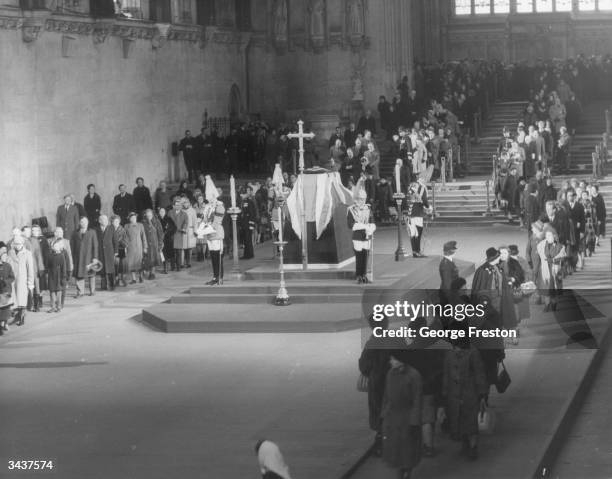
<point x="450" y="166"/>
<point x="304" y="223"/>
<point x="370" y="274"/>
<point x="488" y="213"/>
<point x="608" y="123"/>
<point x="282" y="297"/>
<point x="235" y="272"/>
<point x="400" y="252"/>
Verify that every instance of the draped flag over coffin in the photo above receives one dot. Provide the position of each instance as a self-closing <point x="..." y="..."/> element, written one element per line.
<point x="322" y="193"/>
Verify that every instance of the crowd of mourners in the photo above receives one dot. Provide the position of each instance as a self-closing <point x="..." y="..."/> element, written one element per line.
<point x="141" y="235"/>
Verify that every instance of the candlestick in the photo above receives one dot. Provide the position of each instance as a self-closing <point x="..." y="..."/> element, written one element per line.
<point x="398" y="183"/>
<point x="233" y="191"/>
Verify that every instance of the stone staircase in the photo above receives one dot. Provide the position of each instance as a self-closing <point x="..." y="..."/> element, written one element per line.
<point x="465" y="203"/>
<point x="501" y="114"/>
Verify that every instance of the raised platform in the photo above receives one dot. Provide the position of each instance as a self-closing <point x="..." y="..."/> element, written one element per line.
<point x="322" y="301"/>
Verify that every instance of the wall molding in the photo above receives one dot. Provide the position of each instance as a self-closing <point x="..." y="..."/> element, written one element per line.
<point x="100" y="29"/>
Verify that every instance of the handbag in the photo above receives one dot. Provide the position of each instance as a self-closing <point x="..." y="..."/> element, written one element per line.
<point x="362" y="383"/>
<point x="486" y="420"/>
<point x="517" y="295"/>
<point x="503" y="380"/>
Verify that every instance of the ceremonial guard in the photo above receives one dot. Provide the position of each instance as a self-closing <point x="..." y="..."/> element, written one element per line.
<point x="417" y="209"/>
<point x="360" y="221"/>
<point x="211" y="228"/>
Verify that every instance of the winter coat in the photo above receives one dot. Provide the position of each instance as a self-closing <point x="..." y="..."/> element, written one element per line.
<point x="169" y="228"/>
<point x="374" y="364"/>
<point x="190" y="240"/>
<point x="23" y="269"/>
<point x="136" y="246"/>
<point x="180" y="221"/>
<point x="108" y="243"/>
<point x="84" y="251"/>
<point x="155" y="242"/>
<point x="463" y="385"/>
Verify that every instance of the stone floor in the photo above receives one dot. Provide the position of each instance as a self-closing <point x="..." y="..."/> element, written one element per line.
<point x="105" y="396"/>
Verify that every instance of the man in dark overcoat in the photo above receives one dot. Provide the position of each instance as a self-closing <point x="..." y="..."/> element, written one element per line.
<point x="109" y="248"/>
<point x="142" y="198"/>
<point x="84" y="246"/>
<point x="448" y="270"/>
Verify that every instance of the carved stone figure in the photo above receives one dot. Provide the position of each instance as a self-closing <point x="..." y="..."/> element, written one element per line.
<point x="355" y="18"/>
<point x="280" y="20"/>
<point x="317" y="19"/>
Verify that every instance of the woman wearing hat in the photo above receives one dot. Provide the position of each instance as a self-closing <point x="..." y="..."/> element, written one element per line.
<point x="136" y="247"/>
<point x="490" y="278"/>
<point x="552" y="254"/>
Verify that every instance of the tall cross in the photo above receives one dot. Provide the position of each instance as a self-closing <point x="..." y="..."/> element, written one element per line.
<point x="300" y="135"/>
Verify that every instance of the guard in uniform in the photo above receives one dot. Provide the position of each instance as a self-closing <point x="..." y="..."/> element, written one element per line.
<point x="417" y="205"/>
<point x="214" y="211"/>
<point x="360" y="221"/>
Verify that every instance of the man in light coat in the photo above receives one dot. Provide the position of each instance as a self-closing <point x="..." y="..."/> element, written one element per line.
<point x="22" y="262"/>
<point x="179" y="217"/>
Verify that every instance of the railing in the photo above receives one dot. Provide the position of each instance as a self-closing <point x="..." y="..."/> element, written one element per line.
<point x="218" y="123"/>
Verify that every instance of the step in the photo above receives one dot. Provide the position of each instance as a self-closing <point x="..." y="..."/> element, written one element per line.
<point x="268" y="298"/>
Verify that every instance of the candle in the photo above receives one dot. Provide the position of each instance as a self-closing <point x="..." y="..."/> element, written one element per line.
<point x="233" y="191"/>
<point x="398" y="183"/>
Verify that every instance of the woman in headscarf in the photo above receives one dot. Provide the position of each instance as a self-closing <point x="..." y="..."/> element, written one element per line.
<point x="551" y="253"/>
<point x="136" y="247"/>
<point x="155" y="241"/>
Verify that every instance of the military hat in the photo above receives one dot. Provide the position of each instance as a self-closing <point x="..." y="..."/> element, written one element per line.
<point x="450" y="247"/>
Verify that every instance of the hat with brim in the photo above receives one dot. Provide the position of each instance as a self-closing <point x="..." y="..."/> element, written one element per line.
<point x="95" y="266"/>
<point x="492" y="254"/>
<point x="513" y="249"/>
<point x="450" y="247"/>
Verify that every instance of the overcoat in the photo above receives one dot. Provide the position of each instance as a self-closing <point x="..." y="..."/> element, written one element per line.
<point x="85" y="249"/>
<point x="23" y="269"/>
<point x="169" y="229"/>
<point x="109" y="246"/>
<point x="463" y="384"/>
<point x="190" y="239"/>
<point x="155" y="241"/>
<point x="136" y="246"/>
<point x="402" y="417"/>
<point x="180" y="221"/>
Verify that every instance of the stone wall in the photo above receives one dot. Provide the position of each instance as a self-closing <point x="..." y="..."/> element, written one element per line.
<point x="101" y="103"/>
<point x="339" y="71"/>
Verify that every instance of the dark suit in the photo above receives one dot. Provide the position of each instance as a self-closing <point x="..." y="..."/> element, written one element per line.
<point x="92" y="206"/>
<point x="448" y="273"/>
<point x="122" y="205"/>
<point x="67" y="219"/>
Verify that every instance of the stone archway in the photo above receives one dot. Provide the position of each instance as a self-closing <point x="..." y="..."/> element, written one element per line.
<point x="235" y="104"/>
